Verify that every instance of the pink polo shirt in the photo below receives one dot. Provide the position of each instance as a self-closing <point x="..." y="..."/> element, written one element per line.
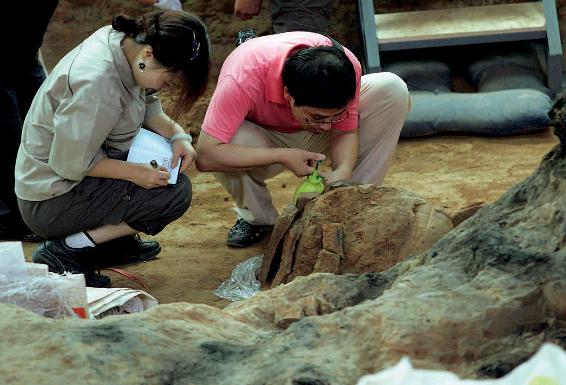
<point x="250" y="87"/>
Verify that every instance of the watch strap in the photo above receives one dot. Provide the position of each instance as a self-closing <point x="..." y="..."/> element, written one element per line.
<point x="182" y="135"/>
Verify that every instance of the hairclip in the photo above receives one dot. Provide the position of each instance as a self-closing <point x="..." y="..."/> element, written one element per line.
<point x="195" y="48"/>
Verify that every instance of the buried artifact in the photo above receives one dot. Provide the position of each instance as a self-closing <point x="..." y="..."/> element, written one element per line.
<point x="350" y="228"/>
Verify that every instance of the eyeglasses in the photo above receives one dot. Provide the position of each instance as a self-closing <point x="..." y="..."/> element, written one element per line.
<point x="345" y="115"/>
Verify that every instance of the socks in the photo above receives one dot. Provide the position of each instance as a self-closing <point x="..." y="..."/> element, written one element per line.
<point x="79" y="240"/>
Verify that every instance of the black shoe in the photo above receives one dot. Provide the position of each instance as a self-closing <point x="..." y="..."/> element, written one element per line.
<point x="244" y="234"/>
<point x="245" y="35"/>
<point x="61" y="258"/>
<point x="126" y="250"/>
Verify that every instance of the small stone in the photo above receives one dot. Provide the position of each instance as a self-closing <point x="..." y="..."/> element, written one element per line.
<point x="333" y="238"/>
<point x="466" y="212"/>
<point x="366" y="188"/>
<point x="327" y="262"/>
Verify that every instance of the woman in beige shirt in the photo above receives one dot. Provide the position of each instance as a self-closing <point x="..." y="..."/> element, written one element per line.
<point x="73" y="184"/>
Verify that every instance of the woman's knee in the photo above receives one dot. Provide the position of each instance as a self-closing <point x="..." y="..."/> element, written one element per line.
<point x="183" y="195"/>
<point x="174" y="201"/>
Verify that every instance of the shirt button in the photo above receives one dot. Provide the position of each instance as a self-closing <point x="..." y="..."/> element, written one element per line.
<point x="127" y="198"/>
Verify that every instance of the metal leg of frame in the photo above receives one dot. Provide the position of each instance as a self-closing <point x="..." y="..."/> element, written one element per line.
<point x="368" y="31"/>
<point x="554" y="58"/>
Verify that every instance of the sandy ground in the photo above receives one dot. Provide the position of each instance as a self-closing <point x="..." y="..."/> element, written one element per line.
<point x="450" y="171"/>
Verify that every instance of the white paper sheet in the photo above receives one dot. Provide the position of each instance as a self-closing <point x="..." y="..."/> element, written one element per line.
<point x="148" y="146"/>
<point x="102" y="301"/>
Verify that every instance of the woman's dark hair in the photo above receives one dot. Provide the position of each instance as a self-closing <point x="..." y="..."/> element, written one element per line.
<point x="180" y="42"/>
<point x="320" y="77"/>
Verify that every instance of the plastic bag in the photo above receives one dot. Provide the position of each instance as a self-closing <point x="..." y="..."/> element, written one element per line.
<point x="242" y="283"/>
<point x="12" y="261"/>
<point x="31" y="286"/>
<point x="53" y="296"/>
<point x="546" y="367"/>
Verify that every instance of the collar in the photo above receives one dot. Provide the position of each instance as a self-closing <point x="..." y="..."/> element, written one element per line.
<point x="121" y="63"/>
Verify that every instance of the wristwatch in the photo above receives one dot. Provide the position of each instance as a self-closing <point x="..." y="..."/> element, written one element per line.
<point x="182" y="135"/>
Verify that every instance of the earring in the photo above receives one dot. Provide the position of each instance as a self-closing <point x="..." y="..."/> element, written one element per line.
<point x="142" y="66"/>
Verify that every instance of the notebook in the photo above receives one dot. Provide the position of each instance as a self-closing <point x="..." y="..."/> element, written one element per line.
<point x="148" y="146"/>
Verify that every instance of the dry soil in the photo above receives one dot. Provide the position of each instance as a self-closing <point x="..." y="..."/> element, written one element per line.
<point x="450" y="171"/>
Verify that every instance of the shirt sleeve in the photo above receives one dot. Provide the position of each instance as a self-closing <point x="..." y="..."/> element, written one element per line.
<point x="227" y="110"/>
<point x="80" y="127"/>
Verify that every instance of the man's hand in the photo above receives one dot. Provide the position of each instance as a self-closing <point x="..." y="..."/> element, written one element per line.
<point x="182" y="148"/>
<point x="148" y="177"/>
<point x="246" y="9"/>
<point x="299" y="161"/>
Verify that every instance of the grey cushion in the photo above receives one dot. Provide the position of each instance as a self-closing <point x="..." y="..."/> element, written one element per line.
<point x="426" y="75"/>
<point x="495" y="113"/>
<point x="506" y="71"/>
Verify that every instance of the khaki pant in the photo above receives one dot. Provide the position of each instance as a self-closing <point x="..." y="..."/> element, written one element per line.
<point x="384" y="104"/>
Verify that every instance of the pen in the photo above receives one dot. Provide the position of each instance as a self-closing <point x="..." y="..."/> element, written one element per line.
<point x="154" y="164"/>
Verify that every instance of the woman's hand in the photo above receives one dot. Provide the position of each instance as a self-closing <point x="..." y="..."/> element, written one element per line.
<point x="182" y="148"/>
<point x="299" y="161"/>
<point x="144" y="175"/>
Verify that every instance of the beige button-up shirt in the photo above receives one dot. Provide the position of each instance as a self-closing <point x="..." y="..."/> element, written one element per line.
<point x="88" y="108"/>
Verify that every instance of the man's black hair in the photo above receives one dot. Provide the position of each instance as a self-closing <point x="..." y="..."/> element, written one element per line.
<point x="320" y="77"/>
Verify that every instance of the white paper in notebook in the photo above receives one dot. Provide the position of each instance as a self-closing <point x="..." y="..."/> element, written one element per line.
<point x="148" y="146"/>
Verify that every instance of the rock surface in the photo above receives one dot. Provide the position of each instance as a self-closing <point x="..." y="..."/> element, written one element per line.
<point x="351" y="229"/>
<point x="479" y="302"/>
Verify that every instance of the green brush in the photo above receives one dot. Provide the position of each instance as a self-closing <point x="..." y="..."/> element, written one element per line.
<point x="312" y="183"/>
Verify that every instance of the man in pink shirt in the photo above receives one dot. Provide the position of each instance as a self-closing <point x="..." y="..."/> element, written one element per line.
<point x="282" y="101"/>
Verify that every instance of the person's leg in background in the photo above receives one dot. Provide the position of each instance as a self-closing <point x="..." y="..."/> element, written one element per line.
<point x="16" y="93"/>
<point x="27" y="87"/>
<point x="301" y="15"/>
<point x="20" y="78"/>
<point x="10" y="127"/>
<point x="287" y="16"/>
<point x="384" y="105"/>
